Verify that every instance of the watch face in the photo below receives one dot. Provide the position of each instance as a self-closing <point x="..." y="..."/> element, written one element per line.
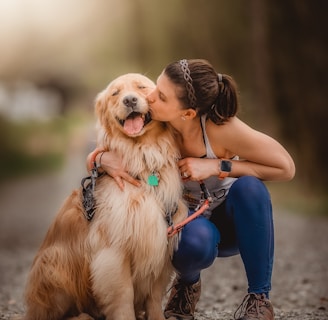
<point x="226" y="165"/>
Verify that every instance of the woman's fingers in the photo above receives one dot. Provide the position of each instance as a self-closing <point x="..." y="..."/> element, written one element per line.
<point x="119" y="182"/>
<point x="126" y="177"/>
<point x="131" y="180"/>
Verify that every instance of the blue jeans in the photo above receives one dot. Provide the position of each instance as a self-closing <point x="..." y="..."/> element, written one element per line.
<point x="241" y="224"/>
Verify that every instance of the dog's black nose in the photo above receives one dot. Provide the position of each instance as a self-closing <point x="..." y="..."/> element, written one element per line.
<point x="130" y="101"/>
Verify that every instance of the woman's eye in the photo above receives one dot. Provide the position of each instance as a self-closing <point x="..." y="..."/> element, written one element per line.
<point x="161" y="97"/>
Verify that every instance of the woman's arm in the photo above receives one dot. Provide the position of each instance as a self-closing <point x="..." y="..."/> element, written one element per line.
<point x="261" y="156"/>
<point x="111" y="163"/>
<point x="265" y="158"/>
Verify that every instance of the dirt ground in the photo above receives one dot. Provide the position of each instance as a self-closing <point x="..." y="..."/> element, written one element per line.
<point x="300" y="279"/>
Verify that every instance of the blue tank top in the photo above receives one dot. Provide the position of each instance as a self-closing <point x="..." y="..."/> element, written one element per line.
<point x="217" y="188"/>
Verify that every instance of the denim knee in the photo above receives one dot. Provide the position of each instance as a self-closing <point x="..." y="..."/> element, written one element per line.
<point x="198" y="246"/>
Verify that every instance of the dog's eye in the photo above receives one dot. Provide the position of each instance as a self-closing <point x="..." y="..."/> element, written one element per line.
<point x="140" y="86"/>
<point x="115" y="93"/>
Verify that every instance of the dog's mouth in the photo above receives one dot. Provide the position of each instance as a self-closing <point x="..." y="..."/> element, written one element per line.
<point x="135" y="122"/>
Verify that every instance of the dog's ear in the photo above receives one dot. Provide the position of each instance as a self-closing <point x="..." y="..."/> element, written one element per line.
<point x="100" y="104"/>
<point x="102" y="115"/>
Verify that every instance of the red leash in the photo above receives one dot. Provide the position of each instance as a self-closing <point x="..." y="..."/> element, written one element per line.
<point x="172" y="230"/>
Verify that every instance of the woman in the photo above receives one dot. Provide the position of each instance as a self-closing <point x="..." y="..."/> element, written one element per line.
<point x="231" y="159"/>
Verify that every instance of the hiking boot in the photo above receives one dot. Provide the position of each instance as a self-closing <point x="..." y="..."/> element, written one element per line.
<point x="182" y="301"/>
<point x="255" y="307"/>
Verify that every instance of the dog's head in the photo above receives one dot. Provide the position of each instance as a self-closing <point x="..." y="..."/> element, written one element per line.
<point x="123" y="106"/>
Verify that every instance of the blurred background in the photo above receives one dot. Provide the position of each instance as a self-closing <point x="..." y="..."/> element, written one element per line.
<point x="55" y="56"/>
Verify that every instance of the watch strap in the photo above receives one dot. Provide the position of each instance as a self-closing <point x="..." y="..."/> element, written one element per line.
<point x="223" y="174"/>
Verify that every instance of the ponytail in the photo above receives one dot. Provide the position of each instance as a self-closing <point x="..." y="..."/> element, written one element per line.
<point x="226" y="104"/>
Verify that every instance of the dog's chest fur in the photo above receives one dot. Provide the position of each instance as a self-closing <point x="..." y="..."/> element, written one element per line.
<point x="134" y="220"/>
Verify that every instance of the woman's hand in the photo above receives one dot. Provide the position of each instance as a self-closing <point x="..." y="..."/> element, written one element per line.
<point x="111" y="163"/>
<point x="197" y="169"/>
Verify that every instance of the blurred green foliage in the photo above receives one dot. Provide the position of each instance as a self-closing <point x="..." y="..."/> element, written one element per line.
<point x="32" y="147"/>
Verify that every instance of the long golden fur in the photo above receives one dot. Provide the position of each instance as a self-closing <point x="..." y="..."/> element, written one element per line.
<point x="116" y="266"/>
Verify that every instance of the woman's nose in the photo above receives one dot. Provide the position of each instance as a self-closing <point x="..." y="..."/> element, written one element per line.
<point x="150" y="98"/>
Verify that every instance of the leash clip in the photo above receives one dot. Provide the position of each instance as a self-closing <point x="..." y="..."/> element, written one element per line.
<point x="88" y="200"/>
<point x="205" y="194"/>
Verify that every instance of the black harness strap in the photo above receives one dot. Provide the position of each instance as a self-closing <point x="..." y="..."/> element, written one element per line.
<point x="88" y="200"/>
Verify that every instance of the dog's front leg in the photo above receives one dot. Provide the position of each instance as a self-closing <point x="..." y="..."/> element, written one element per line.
<point x="112" y="284"/>
<point x="154" y="309"/>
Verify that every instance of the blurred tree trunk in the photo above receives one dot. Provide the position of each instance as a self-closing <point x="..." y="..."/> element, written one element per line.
<point x="260" y="77"/>
<point x="299" y="50"/>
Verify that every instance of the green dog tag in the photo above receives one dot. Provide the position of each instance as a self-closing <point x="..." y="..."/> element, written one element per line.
<point x="153" y="180"/>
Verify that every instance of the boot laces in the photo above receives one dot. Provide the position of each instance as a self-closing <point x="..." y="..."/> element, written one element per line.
<point x="250" y="306"/>
<point x="183" y="299"/>
<point x="184" y="296"/>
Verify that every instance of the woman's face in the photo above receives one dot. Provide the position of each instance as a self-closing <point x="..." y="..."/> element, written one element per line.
<point x="163" y="101"/>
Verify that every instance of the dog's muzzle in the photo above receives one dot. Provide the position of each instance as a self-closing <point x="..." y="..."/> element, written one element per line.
<point x="135" y="122"/>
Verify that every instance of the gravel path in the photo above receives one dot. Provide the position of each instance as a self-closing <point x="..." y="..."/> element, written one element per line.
<point x="300" y="280"/>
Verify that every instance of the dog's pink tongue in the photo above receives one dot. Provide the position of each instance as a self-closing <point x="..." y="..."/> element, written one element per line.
<point x="133" y="126"/>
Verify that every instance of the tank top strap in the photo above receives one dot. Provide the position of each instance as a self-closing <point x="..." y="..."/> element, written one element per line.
<point x="209" y="151"/>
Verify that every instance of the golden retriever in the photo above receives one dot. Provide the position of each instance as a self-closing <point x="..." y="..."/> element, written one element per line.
<point x="117" y="265"/>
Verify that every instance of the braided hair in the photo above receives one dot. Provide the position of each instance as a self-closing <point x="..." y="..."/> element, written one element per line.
<point x="202" y="89"/>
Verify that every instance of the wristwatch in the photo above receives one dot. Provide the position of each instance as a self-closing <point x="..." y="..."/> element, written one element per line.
<point x="225" y="168"/>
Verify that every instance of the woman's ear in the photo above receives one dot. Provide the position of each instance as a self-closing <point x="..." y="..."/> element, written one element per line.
<point x="189" y="114"/>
